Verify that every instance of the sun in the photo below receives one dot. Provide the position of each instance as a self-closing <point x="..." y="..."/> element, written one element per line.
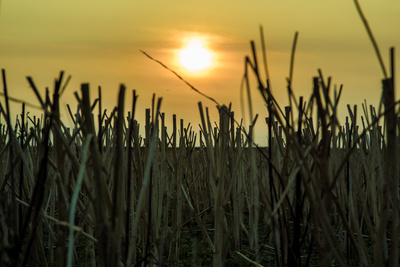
<point x="195" y="57"/>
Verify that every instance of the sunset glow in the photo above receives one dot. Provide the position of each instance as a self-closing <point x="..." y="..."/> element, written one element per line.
<point x="206" y="133"/>
<point x="194" y="56"/>
<point x="206" y="43"/>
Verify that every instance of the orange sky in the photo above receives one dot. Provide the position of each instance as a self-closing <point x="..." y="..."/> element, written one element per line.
<point x="100" y="41"/>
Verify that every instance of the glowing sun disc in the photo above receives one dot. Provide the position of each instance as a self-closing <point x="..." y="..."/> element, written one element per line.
<point x="195" y="57"/>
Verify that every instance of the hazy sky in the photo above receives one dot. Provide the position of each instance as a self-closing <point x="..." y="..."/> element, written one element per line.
<point x="100" y="41"/>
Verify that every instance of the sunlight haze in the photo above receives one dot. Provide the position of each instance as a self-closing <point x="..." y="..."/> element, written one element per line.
<point x="195" y="56"/>
<point x="100" y="41"/>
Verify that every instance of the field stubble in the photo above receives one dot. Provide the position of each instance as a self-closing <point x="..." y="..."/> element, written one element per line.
<point x="320" y="193"/>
